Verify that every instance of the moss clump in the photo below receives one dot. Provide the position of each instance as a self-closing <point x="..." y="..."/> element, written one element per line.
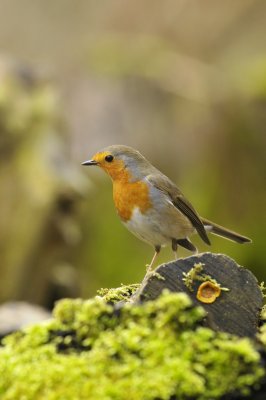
<point x="123" y="293"/>
<point x="262" y="333"/>
<point x="196" y="274"/>
<point x="155" y="350"/>
<point x="263" y="289"/>
<point x="192" y="275"/>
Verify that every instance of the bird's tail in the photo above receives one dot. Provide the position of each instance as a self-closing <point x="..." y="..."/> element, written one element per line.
<point x="224" y="232"/>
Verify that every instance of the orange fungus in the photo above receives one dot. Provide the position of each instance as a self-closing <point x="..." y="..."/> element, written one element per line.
<point x="208" y="292"/>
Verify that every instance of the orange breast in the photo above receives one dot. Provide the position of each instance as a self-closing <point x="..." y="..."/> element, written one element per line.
<point x="128" y="195"/>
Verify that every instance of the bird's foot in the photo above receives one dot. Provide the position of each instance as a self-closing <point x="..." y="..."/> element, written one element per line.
<point x="149" y="272"/>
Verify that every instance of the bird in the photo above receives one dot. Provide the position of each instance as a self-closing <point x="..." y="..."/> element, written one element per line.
<point x="151" y="206"/>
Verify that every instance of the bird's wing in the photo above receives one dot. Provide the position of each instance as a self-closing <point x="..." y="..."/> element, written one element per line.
<point x="162" y="183"/>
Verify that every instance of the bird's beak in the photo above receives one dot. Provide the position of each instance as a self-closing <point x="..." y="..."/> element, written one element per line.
<point x="90" y="162"/>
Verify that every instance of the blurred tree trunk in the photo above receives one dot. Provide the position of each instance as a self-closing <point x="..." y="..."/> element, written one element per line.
<point x="39" y="191"/>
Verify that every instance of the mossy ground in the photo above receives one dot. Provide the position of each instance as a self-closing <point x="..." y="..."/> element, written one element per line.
<point x="155" y="350"/>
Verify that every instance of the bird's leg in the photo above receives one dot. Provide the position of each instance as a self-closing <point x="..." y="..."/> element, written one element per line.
<point x="174" y="247"/>
<point x="147" y="275"/>
<point x="157" y="251"/>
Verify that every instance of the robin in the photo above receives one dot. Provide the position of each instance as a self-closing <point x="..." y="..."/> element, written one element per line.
<point x="151" y="206"/>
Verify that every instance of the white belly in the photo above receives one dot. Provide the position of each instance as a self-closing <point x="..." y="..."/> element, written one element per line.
<point x="159" y="227"/>
<point x="146" y="228"/>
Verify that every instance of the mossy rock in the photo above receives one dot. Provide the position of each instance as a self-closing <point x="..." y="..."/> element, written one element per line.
<point x="156" y="350"/>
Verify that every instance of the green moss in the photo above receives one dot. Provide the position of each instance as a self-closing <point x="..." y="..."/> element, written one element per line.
<point x="118" y="294"/>
<point x="263" y="289"/>
<point x="158" y="276"/>
<point x="262" y="333"/>
<point x="196" y="274"/>
<point x="192" y="275"/>
<point x="155" y="350"/>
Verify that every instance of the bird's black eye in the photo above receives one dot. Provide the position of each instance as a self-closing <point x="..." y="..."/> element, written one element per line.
<point x="109" y="158"/>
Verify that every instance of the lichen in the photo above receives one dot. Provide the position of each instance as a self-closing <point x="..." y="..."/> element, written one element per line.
<point x="156" y="350"/>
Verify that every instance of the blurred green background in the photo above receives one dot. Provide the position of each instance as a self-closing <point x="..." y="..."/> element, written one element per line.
<point x="182" y="81"/>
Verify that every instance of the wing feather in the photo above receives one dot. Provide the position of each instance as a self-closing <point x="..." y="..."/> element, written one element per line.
<point x="162" y="183"/>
